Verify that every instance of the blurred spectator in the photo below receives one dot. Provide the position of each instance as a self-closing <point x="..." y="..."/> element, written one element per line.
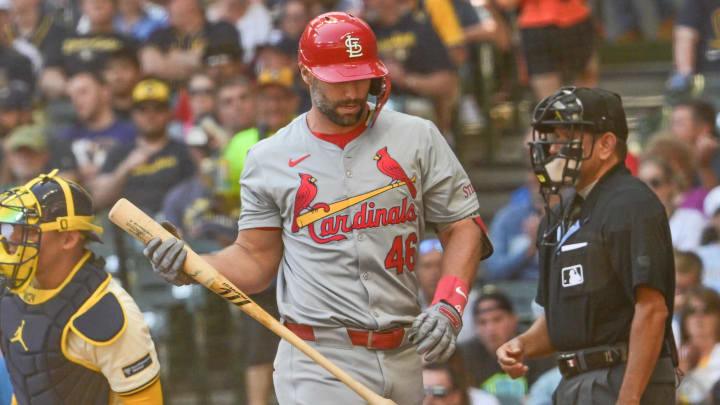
<point x="418" y="62"/>
<point x="251" y="19"/>
<point x="134" y="18"/>
<point x="28" y="155"/>
<point x="446" y="384"/>
<point x="98" y="129"/>
<point x="276" y="107"/>
<point x="688" y="275"/>
<point x="445" y="18"/>
<point x="279" y="53"/>
<point x="627" y="17"/>
<point x="513" y="232"/>
<point x="541" y="392"/>
<point x="294" y="16"/>
<point x="462" y="23"/>
<point x="428" y="269"/>
<point x="686" y="225"/>
<point x="236" y="105"/>
<point x="700" y="352"/>
<point x="144" y="170"/>
<point x="693" y="122"/>
<point x="20" y="45"/>
<point x="695" y="43"/>
<point x="223" y="63"/>
<point x="277" y="100"/>
<point x="680" y="158"/>
<point x="495" y="323"/>
<point x="121" y="73"/>
<point x="558" y="39"/>
<point x="483" y="23"/>
<point x="31" y="25"/>
<point x="15" y="106"/>
<point x="175" y="52"/>
<point x="199" y="207"/>
<point x="201" y="89"/>
<point x="710" y="253"/>
<point x="13" y="64"/>
<point x="86" y="51"/>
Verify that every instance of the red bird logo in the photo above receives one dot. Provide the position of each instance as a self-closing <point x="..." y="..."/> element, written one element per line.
<point x="391" y="168"/>
<point x="305" y="194"/>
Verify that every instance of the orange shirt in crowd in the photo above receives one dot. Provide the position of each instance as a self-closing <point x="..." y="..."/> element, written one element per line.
<point x="560" y="13"/>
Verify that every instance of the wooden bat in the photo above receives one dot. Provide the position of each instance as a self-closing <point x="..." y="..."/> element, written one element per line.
<point x="138" y="224"/>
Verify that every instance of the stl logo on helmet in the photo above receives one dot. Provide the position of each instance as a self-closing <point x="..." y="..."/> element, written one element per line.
<point x="354" y="49"/>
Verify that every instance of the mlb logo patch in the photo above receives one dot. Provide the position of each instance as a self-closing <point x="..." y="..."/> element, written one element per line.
<point x="572" y="275"/>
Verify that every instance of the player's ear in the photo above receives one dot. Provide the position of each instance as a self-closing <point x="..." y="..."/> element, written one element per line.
<point x="606" y="142"/>
<point x="71" y="239"/>
<point x="305" y="74"/>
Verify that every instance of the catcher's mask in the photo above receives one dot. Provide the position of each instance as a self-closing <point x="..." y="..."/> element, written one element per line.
<point x="46" y="203"/>
<point x="559" y="124"/>
<point x="556" y="160"/>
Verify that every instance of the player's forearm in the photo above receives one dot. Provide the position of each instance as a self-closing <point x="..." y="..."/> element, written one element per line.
<point x="536" y="340"/>
<point x="462" y="250"/>
<point x="684" y="42"/>
<point x="250" y="267"/>
<point x="646" y="338"/>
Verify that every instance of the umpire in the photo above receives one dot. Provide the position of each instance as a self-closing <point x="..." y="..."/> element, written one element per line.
<point x="606" y="261"/>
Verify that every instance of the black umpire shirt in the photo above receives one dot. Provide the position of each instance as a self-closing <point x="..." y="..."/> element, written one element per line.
<point x="588" y="279"/>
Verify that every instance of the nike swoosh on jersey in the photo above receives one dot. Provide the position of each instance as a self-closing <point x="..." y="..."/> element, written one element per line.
<point x="292" y="163"/>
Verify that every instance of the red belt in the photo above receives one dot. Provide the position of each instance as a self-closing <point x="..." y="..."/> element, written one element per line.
<point x="385" y="340"/>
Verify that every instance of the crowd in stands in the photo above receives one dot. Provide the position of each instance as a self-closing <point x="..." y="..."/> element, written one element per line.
<point x="158" y="101"/>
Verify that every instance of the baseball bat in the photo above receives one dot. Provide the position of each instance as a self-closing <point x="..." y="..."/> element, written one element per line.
<point x="143" y="228"/>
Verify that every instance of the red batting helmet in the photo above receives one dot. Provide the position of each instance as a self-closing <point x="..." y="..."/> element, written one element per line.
<point x="339" y="47"/>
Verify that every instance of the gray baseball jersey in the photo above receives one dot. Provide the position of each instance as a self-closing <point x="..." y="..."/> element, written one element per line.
<point x="352" y="218"/>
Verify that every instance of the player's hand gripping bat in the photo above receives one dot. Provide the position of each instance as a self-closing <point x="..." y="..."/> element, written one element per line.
<point x="135" y="222"/>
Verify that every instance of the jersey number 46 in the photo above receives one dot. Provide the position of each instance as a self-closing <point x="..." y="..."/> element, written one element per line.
<point x="402" y="254"/>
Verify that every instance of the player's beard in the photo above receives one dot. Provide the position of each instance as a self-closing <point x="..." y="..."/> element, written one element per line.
<point x="328" y="108"/>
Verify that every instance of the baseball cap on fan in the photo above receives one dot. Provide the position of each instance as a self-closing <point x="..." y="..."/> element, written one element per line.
<point x="220" y="54"/>
<point x="27" y="136"/>
<point x="601" y="110"/>
<point x="151" y="90"/>
<point x="282" y="77"/>
<point x="16" y="96"/>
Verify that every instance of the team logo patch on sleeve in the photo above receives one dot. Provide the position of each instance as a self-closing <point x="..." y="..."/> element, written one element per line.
<point x="138" y="366"/>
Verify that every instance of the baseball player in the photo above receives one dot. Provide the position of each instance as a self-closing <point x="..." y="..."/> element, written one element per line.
<point x="334" y="205"/>
<point x="70" y="333"/>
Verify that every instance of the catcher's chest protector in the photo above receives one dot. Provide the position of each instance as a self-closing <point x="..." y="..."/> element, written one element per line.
<point x="31" y="338"/>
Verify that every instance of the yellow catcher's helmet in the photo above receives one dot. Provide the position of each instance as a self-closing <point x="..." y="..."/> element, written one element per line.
<point x="45" y="203"/>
